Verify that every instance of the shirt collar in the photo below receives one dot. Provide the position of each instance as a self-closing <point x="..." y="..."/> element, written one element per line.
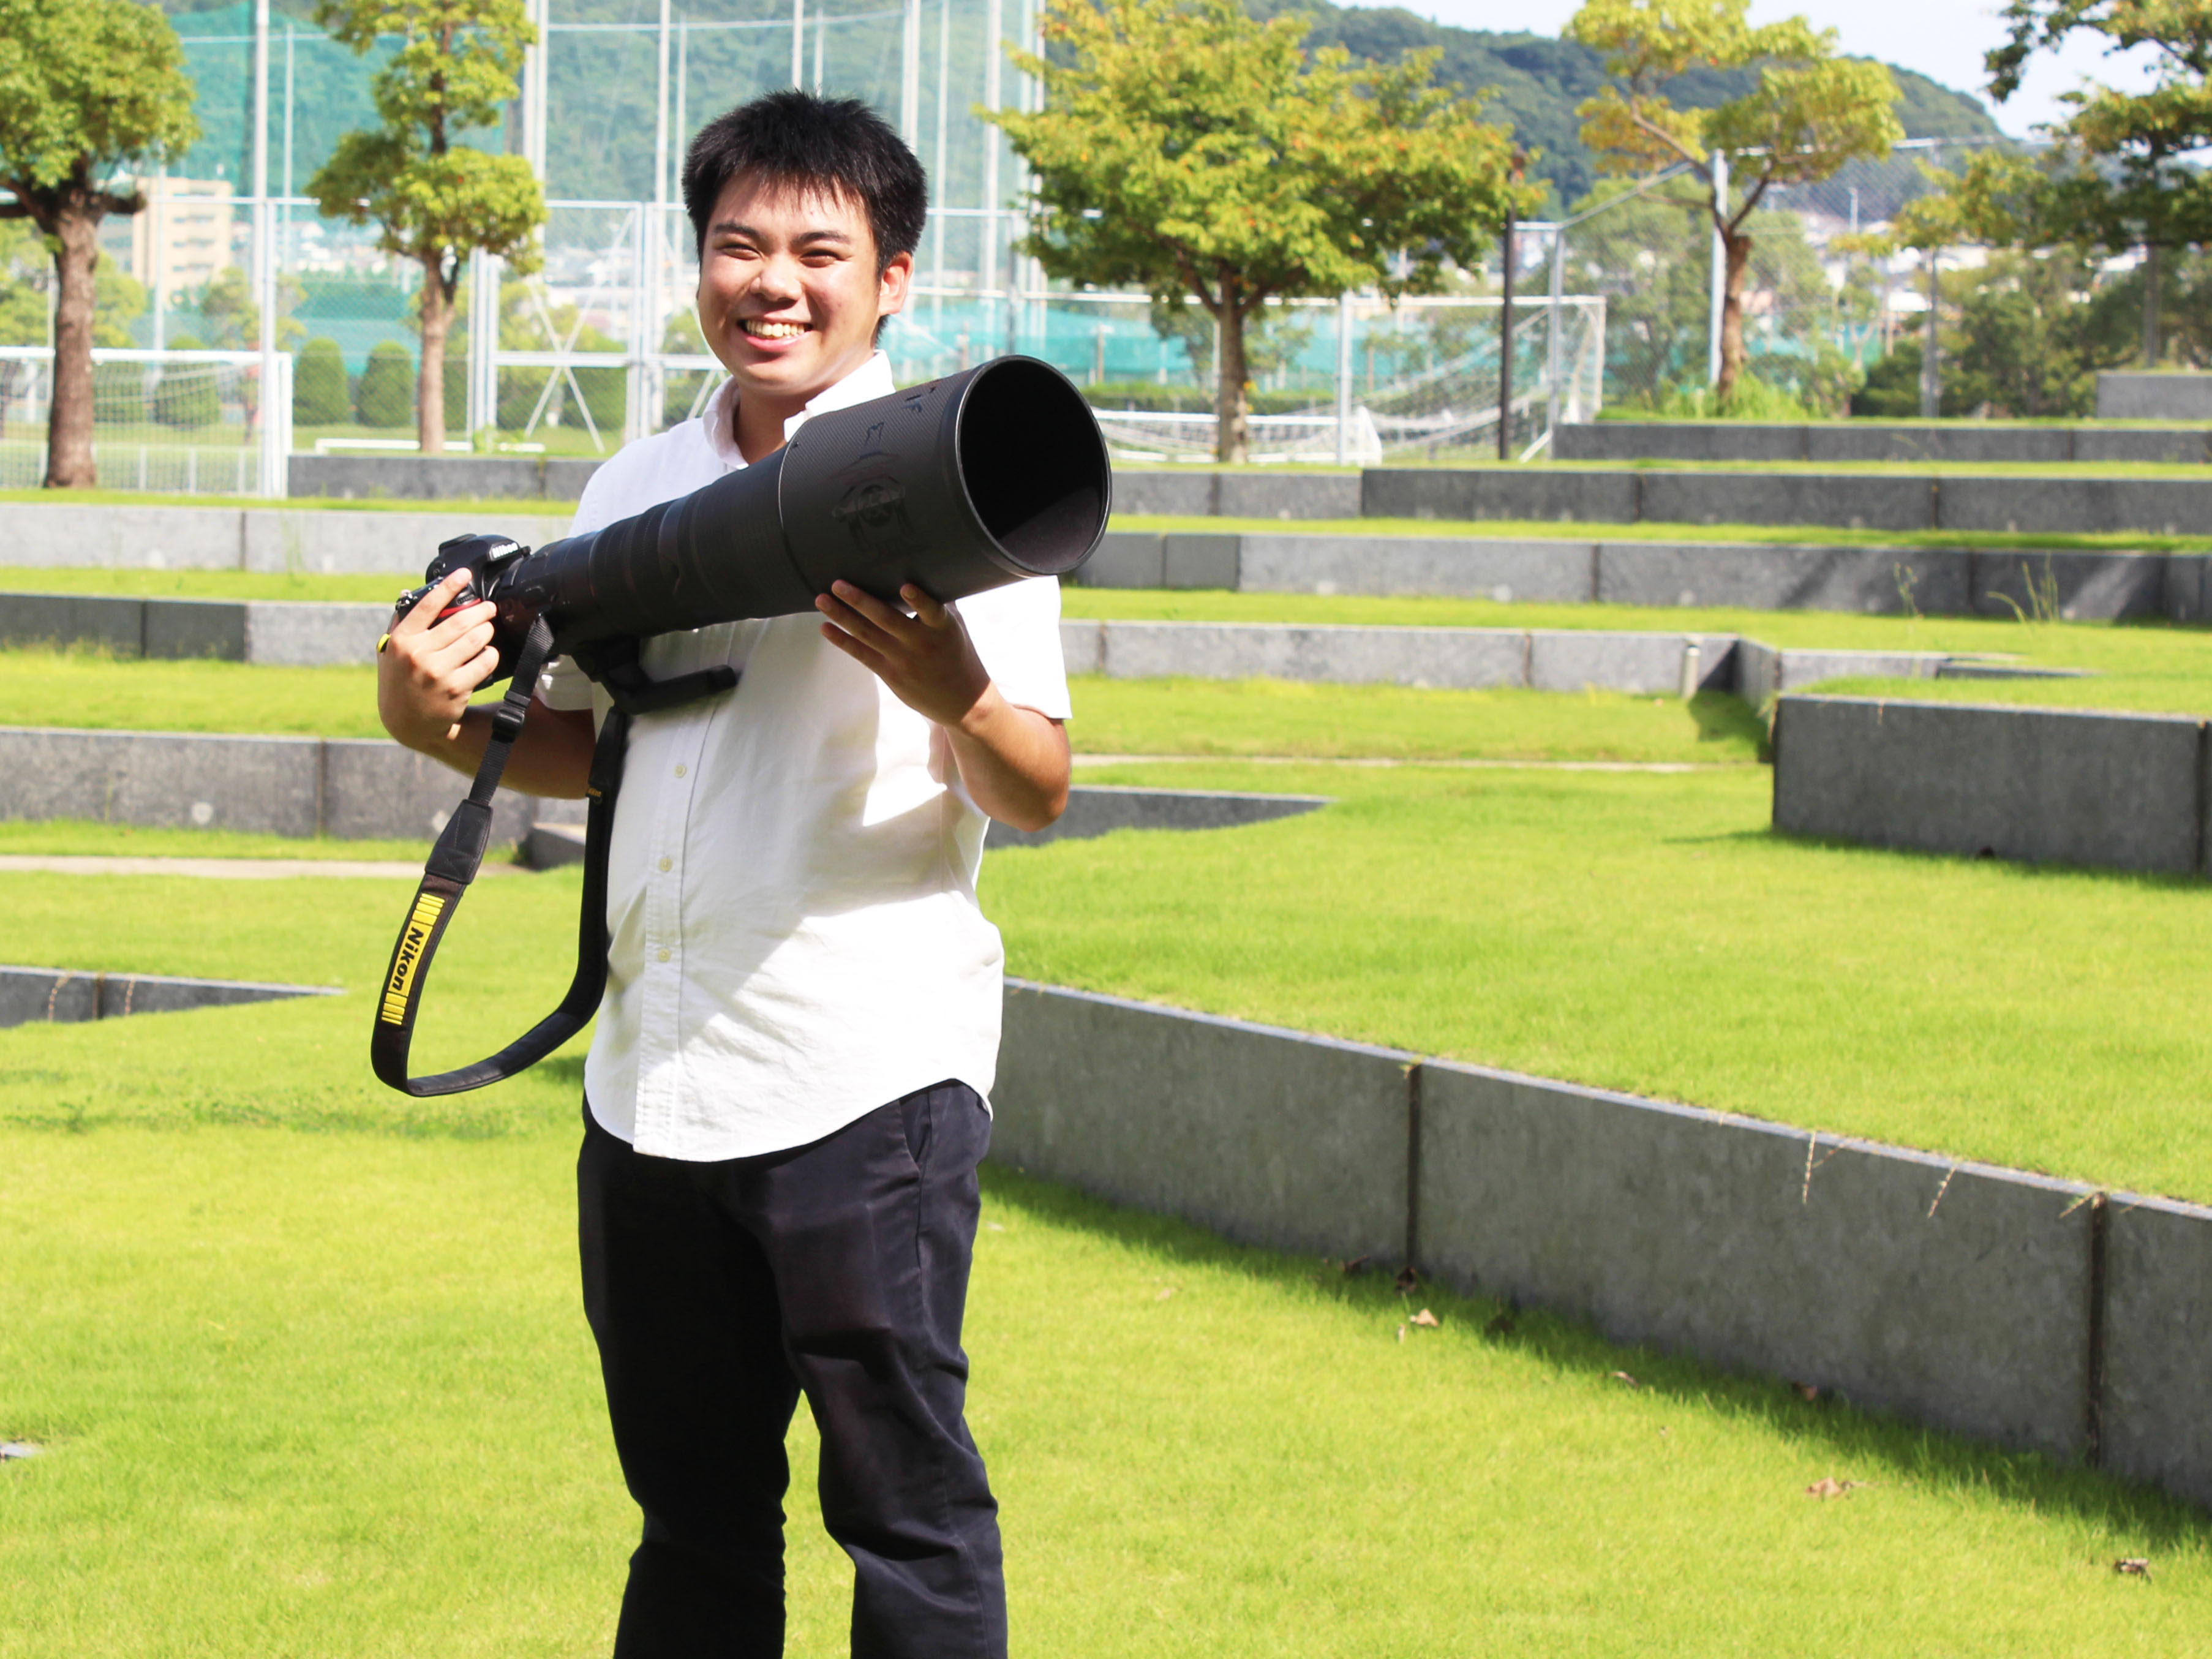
<point x="870" y="380"/>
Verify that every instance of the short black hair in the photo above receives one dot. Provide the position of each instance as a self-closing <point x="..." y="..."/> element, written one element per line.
<point x="836" y="146"/>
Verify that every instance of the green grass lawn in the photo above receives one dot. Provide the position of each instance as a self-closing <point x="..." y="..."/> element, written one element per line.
<point x="1289" y="717"/>
<point x="1255" y="717"/>
<point x="332" y="1395"/>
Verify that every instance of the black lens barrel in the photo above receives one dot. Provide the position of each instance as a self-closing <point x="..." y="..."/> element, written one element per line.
<point x="957" y="486"/>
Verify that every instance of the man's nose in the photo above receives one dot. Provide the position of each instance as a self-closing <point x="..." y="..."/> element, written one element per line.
<point x="778" y="280"/>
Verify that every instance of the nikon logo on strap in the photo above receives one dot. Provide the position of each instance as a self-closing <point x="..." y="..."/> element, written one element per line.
<point x="429" y="907"/>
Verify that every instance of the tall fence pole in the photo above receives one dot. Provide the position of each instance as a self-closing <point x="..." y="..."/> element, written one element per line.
<point x="1554" y="354"/>
<point x="1720" y="273"/>
<point x="1505" y="353"/>
<point x="1343" y="379"/>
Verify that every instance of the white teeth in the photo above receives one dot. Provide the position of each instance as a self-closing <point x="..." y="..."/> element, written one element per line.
<point x="762" y="330"/>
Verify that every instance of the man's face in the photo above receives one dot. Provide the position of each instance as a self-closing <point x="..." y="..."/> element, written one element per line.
<point x="789" y="294"/>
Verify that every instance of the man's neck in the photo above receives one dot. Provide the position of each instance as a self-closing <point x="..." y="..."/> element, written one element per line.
<point x="762" y="416"/>
<point x="760" y="424"/>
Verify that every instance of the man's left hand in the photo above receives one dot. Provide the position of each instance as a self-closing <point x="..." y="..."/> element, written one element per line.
<point x="1014" y="760"/>
<point x="926" y="658"/>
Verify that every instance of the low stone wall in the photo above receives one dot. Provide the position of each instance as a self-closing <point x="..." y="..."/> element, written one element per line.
<point x="2038" y="1314"/>
<point x="1888" y="580"/>
<point x="349" y="789"/>
<point x="437" y="477"/>
<point x="1095" y="810"/>
<point x="2127" y="792"/>
<point x="32" y="995"/>
<point x="333" y="542"/>
<point x="1967" y="441"/>
<point x="284" y="632"/>
<point x="2123" y="397"/>
<point x="1852" y="501"/>
<point x="1266" y="493"/>
<point x="1467" y="659"/>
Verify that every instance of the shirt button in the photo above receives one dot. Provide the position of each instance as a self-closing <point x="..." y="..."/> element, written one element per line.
<point x="664" y="955"/>
<point x="679" y="769"/>
<point x="668" y="864"/>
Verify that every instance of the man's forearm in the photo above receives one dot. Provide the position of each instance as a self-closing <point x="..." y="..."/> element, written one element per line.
<point x="1014" y="760"/>
<point x="552" y="757"/>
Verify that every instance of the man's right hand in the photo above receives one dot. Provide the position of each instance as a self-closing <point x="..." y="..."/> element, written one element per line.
<point x="429" y="669"/>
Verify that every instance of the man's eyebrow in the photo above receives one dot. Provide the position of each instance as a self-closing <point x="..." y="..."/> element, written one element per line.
<point x="737" y="227"/>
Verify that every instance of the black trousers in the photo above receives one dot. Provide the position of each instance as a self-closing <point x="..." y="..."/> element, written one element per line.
<point x="720" y="1292"/>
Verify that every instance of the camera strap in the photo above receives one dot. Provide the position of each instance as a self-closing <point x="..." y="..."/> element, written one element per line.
<point x="459" y="854"/>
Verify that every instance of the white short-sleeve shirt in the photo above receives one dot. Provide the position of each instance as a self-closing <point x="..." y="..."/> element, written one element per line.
<point x="791" y="895"/>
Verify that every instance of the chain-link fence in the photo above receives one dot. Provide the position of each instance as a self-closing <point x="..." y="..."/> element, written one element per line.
<point x="598" y="346"/>
<point x="1819" y="315"/>
<point x="192" y="423"/>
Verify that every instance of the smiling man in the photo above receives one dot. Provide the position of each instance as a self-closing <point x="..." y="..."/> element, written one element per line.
<point x="785" y="1097"/>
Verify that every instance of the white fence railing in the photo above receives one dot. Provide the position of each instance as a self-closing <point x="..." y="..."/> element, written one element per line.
<point x="180" y="423"/>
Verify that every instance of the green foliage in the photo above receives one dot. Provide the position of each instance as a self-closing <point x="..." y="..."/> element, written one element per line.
<point x="385" y="394"/>
<point x="319" y="385"/>
<point x="84" y="88"/>
<point x="1808" y="113"/>
<point x="2023" y="336"/>
<point x="186" y="394"/>
<point x="25" y="274"/>
<point x="1188" y="150"/>
<point x="120" y="301"/>
<point x="1749" y="400"/>
<point x="435" y="197"/>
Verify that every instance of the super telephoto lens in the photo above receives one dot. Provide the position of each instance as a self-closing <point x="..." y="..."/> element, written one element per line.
<point x="957" y="486"/>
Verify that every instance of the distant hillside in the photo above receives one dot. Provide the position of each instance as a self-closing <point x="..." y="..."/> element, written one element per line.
<point x="603" y="95"/>
<point x="1538" y="80"/>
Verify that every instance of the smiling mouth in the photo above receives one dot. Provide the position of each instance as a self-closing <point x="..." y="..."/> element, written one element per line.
<point x="760" y="328"/>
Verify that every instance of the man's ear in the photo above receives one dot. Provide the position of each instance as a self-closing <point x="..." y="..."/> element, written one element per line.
<point x="892" y="285"/>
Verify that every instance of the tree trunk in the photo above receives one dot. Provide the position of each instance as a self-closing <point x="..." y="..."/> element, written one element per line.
<point x="2150" y="306"/>
<point x="1738" y="246"/>
<point x="1232" y="402"/>
<point x="68" y="418"/>
<point x="430" y="387"/>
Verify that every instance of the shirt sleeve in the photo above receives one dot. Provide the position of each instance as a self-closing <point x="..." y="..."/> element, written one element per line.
<point x="1016" y="630"/>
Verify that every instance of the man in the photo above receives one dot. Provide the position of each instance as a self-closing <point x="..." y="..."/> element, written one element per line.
<point x="784" y="1103"/>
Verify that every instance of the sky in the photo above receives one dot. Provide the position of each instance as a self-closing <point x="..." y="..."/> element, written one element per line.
<point x="1943" y="39"/>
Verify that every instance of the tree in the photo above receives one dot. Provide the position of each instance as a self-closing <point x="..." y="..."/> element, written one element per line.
<point x="1809" y="112"/>
<point x="86" y="89"/>
<point x="319" y="385"/>
<point x="2126" y="185"/>
<point x="436" y="199"/>
<point x="388" y="390"/>
<point x="1190" y="151"/>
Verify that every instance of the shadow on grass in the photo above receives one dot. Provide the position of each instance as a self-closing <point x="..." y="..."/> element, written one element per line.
<point x="1885" y="1446"/>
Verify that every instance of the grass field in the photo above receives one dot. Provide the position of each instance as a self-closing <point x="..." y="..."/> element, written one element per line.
<point x="307" y="1360"/>
<point x="86" y="690"/>
<point x="1634" y="932"/>
<point x="332" y="1394"/>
